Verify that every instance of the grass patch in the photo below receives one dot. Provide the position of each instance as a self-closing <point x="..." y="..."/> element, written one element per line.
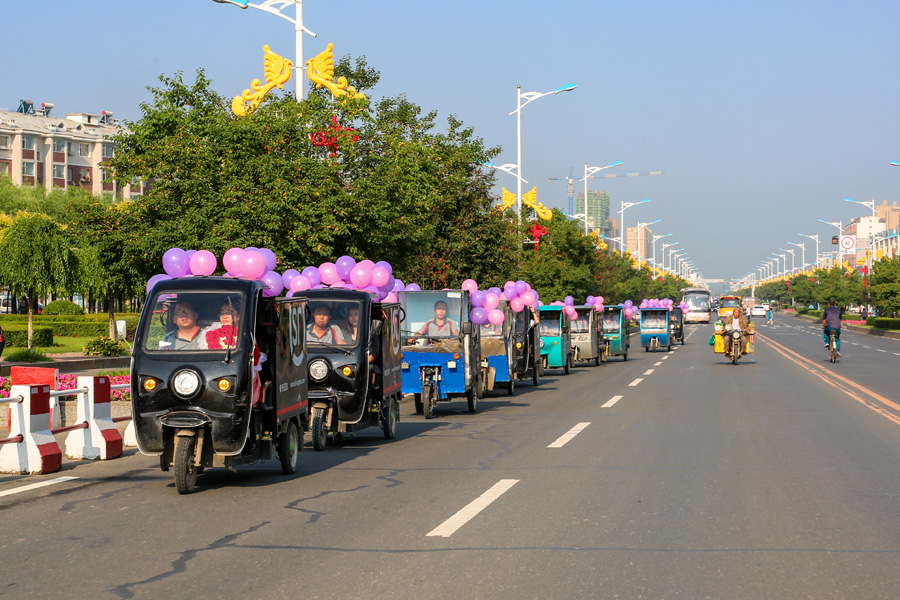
<point x="66" y="344"/>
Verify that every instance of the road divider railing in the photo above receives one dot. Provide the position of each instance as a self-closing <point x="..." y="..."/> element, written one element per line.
<point x="31" y="446"/>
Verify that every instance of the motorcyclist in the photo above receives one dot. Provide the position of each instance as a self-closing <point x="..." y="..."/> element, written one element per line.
<point x="831" y="322"/>
<point x="735" y="325"/>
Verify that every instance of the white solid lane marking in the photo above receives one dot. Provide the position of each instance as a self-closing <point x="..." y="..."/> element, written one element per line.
<point x="34" y="486"/>
<point x="648" y="372"/>
<point x="612" y="401"/>
<point x="468" y="512"/>
<point x="635" y="382"/>
<point x="564" y="438"/>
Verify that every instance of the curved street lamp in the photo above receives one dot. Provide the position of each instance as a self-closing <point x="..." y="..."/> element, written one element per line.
<point x="622" y="228"/>
<point x="638" y="234"/>
<point x="529" y="98"/>
<point x="274" y="7"/>
<point x="655" y="238"/>
<point x="813" y="237"/>
<point x="589" y="174"/>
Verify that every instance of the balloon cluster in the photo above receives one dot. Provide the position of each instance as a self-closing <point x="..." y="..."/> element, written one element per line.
<point x="485" y="303"/>
<point x="568" y="304"/>
<point x="628" y="309"/>
<point x="377" y="278"/>
<point x="666" y="303"/>
<point x="258" y="264"/>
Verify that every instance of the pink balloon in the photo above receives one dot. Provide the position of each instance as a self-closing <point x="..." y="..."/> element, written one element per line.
<point x="300" y="283"/>
<point x="516" y="304"/>
<point x="469" y="285"/>
<point x="380" y="276"/>
<point x="203" y="262"/>
<point x="253" y="265"/>
<point x="361" y="275"/>
<point x="528" y="297"/>
<point x="491" y="302"/>
<point x="232" y="260"/>
<point x="329" y="273"/>
<point x="367" y="263"/>
<point x="496" y="316"/>
<point x="391" y="297"/>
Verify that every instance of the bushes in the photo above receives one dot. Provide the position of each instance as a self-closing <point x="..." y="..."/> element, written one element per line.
<point x="17" y="336"/>
<point x="63" y="307"/>
<point x="883" y="323"/>
<point x="25" y="355"/>
<point x="103" y="346"/>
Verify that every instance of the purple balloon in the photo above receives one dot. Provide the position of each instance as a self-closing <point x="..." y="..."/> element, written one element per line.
<point x="510" y="292"/>
<point x="414" y="287"/>
<point x="312" y="273"/>
<point x="385" y="265"/>
<point x="477" y="298"/>
<point x="479" y="316"/>
<point x="569" y="301"/>
<point x="589" y="300"/>
<point x="175" y="262"/>
<point x="287" y="276"/>
<point x="521" y="287"/>
<point x="156" y="279"/>
<point x="399" y="286"/>
<point x="271" y="260"/>
<point x="273" y="284"/>
<point x="344" y="265"/>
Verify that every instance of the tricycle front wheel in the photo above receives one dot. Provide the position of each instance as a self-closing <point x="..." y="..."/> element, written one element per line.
<point x="319" y="428"/>
<point x="389" y="426"/>
<point x="289" y="445"/>
<point x="185" y="471"/>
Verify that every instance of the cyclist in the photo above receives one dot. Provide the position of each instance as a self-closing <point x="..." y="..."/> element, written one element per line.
<point x="831" y="322"/>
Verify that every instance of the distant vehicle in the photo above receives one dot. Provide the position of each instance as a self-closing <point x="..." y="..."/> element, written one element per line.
<point x="758" y="311"/>
<point x="727" y="304"/>
<point x="698" y="301"/>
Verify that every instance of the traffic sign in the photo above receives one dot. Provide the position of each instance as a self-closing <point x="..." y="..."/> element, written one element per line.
<point x="848" y="244"/>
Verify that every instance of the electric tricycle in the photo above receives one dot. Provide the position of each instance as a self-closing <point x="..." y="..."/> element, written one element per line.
<point x="587" y="336"/>
<point x="498" y="355"/>
<point x="354" y="364"/>
<point x="615" y="331"/>
<point x="676" y="325"/>
<point x="556" y="343"/>
<point x="218" y="377"/>
<point x="655" y="329"/>
<point x="527" y="345"/>
<point x="441" y="355"/>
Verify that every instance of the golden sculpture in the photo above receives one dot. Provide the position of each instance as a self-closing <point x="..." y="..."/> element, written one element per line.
<point x="529" y="199"/>
<point x="277" y="71"/>
<point x="507" y="200"/>
<point x="320" y="70"/>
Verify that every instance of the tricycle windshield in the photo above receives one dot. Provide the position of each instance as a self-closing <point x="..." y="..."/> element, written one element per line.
<point x="550" y="325"/>
<point x="333" y="323"/>
<point x="214" y="320"/>
<point x="651" y="319"/>
<point x="611" y="321"/>
<point x="432" y="315"/>
<point x="730" y="302"/>
<point x="582" y="323"/>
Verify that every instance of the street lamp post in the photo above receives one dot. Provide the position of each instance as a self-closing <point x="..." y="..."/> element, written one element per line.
<point x="781" y="270"/>
<point x="529" y="97"/>
<point x="840" y="227"/>
<point x="793" y="263"/>
<point x="813" y="237"/>
<point x="274" y="7"/>
<point x="589" y="174"/>
<point x="802" y="254"/>
<point x="622" y="227"/>
<point x="638" y="234"/>
<point x="870" y="204"/>
<point x="655" y="238"/>
<point x="672" y="254"/>
<point x="664" y="253"/>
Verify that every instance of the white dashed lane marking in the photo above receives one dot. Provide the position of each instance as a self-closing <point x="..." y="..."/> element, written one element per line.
<point x="567" y="436"/>
<point x="611" y="401"/>
<point x="468" y="512"/>
<point x="635" y="382"/>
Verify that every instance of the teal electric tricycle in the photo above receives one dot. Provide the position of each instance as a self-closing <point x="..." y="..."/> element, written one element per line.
<point x="556" y="342"/>
<point x="615" y="331"/>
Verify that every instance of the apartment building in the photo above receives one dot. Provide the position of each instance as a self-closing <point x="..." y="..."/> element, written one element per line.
<point x="38" y="148"/>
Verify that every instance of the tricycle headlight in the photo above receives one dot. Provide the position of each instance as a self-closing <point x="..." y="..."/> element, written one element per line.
<point x="542" y="342"/>
<point x="186" y="383"/>
<point x="318" y="369"/>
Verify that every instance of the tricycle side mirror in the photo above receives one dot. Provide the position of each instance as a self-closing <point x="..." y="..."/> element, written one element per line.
<point x="466" y="328"/>
<point x="377" y="326"/>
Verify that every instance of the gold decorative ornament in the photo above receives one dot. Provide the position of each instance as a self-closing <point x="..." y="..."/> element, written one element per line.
<point x="277" y="71"/>
<point x="320" y="70"/>
<point x="529" y="199"/>
<point x="507" y="200"/>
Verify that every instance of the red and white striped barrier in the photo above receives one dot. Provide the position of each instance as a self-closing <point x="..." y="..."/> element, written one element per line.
<point x="100" y="438"/>
<point x="37" y="452"/>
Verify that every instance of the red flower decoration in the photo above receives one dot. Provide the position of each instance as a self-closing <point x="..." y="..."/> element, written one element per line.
<point x="222" y="338"/>
<point x="322" y="139"/>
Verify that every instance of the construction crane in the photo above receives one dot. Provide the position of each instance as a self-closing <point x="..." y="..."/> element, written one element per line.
<point x="571" y="188"/>
<point x="571" y="182"/>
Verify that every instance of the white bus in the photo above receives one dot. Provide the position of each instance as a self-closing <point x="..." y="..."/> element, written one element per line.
<point x="697" y="300"/>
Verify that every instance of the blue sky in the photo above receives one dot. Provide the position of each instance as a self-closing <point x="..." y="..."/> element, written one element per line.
<point x="763" y="115"/>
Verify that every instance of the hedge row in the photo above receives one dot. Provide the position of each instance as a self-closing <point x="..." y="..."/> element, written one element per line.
<point x="16" y="336"/>
<point x="40" y="318"/>
<point x="73" y="325"/>
<point x="883" y="323"/>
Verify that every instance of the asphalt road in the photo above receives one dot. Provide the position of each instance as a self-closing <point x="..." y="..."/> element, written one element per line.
<point x="672" y="475"/>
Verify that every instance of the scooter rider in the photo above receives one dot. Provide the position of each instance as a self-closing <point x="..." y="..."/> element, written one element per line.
<point x="735" y="324"/>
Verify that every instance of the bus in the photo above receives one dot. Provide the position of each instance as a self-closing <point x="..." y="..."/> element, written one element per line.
<point x="697" y="299"/>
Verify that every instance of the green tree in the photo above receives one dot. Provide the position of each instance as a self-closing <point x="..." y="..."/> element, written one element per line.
<point x="884" y="286"/>
<point x="36" y="259"/>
